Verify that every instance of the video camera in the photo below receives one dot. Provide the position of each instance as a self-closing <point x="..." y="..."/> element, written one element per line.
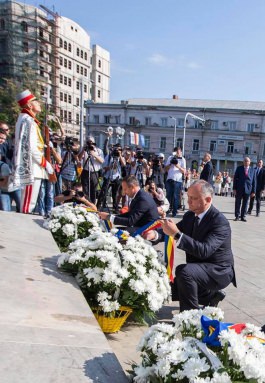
<point x="69" y="142"/>
<point x="116" y="151"/>
<point x="90" y="145"/>
<point x="174" y="161"/>
<point x="139" y="154"/>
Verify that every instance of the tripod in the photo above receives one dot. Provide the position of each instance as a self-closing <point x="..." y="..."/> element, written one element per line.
<point x="139" y="174"/>
<point x="107" y="183"/>
<point x="89" y="178"/>
<point x="70" y="172"/>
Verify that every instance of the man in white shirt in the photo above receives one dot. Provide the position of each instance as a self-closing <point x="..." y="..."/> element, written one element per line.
<point x="176" y="167"/>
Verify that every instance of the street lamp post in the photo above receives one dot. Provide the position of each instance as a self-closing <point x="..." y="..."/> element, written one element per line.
<point x="185" y="125"/>
<point x="81" y="114"/>
<point x="175" y="128"/>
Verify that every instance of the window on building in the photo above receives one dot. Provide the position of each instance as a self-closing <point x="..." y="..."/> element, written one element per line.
<point x="41" y="32"/>
<point x="77" y="101"/>
<point x="179" y="142"/>
<point x="164" y="122"/>
<point x="61" y="78"/>
<point x="25" y="46"/>
<point x="41" y="71"/>
<point x="69" y="99"/>
<point x="69" y="116"/>
<point x="132" y="120"/>
<point x="24" y="26"/>
<point x="195" y="145"/>
<point x="77" y="118"/>
<point x="77" y="51"/>
<point x="248" y="148"/>
<point x="230" y="147"/>
<point x="214" y="125"/>
<point x="181" y="122"/>
<point x="82" y="70"/>
<point x="213" y="146"/>
<point x="69" y="82"/>
<point x="99" y="94"/>
<point x="85" y="88"/>
<point x="70" y="47"/>
<point x="42" y="91"/>
<point x="86" y="56"/>
<point x="148" y="121"/>
<point x="65" y="45"/>
<point x="61" y="43"/>
<point x="99" y="78"/>
<point x="82" y="53"/>
<point x="69" y="64"/>
<point x="107" y="119"/>
<point x="41" y="53"/>
<point x="77" y="85"/>
<point x="65" y="80"/>
<point x="99" y="63"/>
<point x="96" y="118"/>
<point x="231" y="125"/>
<point x="85" y="72"/>
<point x="77" y="68"/>
<point x="61" y="60"/>
<point x="147" y="142"/>
<point x="65" y="97"/>
<point x="117" y="119"/>
<point x="61" y="96"/>
<point x="250" y="128"/>
<point x="61" y="114"/>
<point x="163" y="144"/>
<point x="65" y="63"/>
<point x="2" y="25"/>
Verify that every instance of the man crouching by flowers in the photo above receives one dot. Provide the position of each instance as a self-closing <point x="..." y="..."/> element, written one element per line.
<point x="205" y="235"/>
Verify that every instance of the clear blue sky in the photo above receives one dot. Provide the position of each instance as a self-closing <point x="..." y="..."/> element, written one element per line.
<point x="209" y="49"/>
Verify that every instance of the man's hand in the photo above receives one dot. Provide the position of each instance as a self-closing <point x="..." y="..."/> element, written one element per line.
<point x="150" y="235"/>
<point x="103" y="215"/>
<point x="49" y="168"/>
<point x="252" y="195"/>
<point x="169" y="227"/>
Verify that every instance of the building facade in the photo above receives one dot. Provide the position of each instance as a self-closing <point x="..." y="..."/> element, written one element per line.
<point x="58" y="52"/>
<point x="232" y="130"/>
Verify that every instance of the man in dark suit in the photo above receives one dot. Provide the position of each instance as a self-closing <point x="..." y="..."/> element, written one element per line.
<point x="260" y="186"/>
<point x="207" y="171"/>
<point x="205" y="236"/>
<point x="244" y="187"/>
<point x="142" y="209"/>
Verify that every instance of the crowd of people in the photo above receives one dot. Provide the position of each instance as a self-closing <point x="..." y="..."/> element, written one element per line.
<point x="38" y="171"/>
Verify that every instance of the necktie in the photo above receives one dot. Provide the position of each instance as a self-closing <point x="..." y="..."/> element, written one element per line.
<point x="246" y="172"/>
<point x="258" y="169"/>
<point x="195" y="225"/>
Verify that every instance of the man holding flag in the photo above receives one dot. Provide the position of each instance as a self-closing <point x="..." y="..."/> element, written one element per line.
<point x="205" y="235"/>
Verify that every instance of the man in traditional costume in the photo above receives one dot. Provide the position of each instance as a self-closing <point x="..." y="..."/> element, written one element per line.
<point x="30" y="164"/>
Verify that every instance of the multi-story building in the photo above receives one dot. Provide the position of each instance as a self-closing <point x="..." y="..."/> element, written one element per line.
<point x="233" y="129"/>
<point x="58" y="52"/>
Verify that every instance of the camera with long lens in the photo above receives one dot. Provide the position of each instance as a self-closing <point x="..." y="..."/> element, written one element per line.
<point x="139" y="155"/>
<point x="156" y="163"/>
<point x="90" y="145"/>
<point x="78" y="194"/>
<point x="69" y="142"/>
<point x="116" y="152"/>
<point x="174" y="161"/>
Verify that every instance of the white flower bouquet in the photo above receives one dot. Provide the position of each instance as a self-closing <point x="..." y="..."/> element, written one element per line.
<point x="67" y="223"/>
<point x="176" y="354"/>
<point x="112" y="274"/>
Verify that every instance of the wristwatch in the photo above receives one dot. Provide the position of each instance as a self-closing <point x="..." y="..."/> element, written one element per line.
<point x="177" y="235"/>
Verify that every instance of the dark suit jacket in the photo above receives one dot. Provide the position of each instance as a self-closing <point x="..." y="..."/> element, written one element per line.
<point x="207" y="172"/>
<point x="244" y="184"/>
<point x="260" y="179"/>
<point x="142" y="210"/>
<point x="209" y="245"/>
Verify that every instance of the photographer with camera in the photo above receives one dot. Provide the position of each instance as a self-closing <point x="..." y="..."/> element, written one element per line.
<point x="93" y="159"/>
<point x="74" y="195"/>
<point x="112" y="176"/>
<point x="157" y="170"/>
<point x="158" y="196"/>
<point x="70" y="162"/>
<point x="140" y="168"/>
<point x="176" y="168"/>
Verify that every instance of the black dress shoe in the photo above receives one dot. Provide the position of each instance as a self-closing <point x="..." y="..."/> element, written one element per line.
<point x="216" y="298"/>
<point x="236" y="219"/>
<point x="249" y="212"/>
<point x="257" y="215"/>
<point x="243" y="219"/>
<point x="263" y="328"/>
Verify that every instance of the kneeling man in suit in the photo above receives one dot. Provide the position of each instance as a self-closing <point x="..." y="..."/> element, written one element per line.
<point x="205" y="235"/>
<point x="142" y="209"/>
